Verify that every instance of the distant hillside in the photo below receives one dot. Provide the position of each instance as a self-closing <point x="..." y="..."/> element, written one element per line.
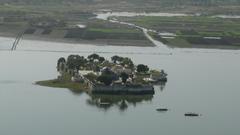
<point x="183" y="6"/>
<point x="160" y="2"/>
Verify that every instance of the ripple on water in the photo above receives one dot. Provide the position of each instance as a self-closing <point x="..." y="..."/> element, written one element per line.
<point x="8" y="82"/>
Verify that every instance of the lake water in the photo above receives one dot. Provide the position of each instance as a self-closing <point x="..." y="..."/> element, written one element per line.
<point x="204" y="81"/>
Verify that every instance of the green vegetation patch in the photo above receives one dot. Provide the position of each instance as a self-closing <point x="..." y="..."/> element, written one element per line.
<point x="116" y="30"/>
<point x="184" y="23"/>
<point x="100" y="29"/>
<point x="64" y="82"/>
<point x="191" y="30"/>
<point x="59" y="84"/>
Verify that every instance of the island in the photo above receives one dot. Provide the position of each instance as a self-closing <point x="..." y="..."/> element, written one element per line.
<point x="97" y="75"/>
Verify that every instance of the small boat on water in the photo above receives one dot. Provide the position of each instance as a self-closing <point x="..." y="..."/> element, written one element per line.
<point x="162" y="109"/>
<point x="192" y="114"/>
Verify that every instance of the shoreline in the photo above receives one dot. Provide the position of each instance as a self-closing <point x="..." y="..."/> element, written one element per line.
<point x="104" y="43"/>
<point x="130" y="43"/>
<point x="98" y="42"/>
<point x="194" y="46"/>
<point x="54" y="83"/>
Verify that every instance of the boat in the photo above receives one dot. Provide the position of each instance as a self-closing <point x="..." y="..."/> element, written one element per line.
<point x="162" y="109"/>
<point x="192" y="114"/>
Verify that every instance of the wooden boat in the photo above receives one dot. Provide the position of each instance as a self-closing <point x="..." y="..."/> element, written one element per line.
<point x="162" y="109"/>
<point x="192" y="114"/>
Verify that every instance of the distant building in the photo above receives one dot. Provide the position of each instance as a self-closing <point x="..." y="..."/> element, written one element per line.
<point x="85" y="72"/>
<point x="118" y="69"/>
<point x="77" y="77"/>
<point x="81" y="26"/>
<point x="158" y="76"/>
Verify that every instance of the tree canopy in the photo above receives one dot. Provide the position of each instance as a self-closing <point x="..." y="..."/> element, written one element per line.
<point x="93" y="57"/>
<point x="142" y="68"/>
<point x="115" y="58"/>
<point x="75" y="61"/>
<point x="124" y="61"/>
<point x="107" y="77"/>
<point x="61" y="60"/>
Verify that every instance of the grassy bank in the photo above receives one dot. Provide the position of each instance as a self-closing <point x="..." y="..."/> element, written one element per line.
<point x="190" y="30"/>
<point x="99" y="29"/>
<point x="97" y="32"/>
<point x="59" y="84"/>
<point x="65" y="82"/>
<point x="189" y="25"/>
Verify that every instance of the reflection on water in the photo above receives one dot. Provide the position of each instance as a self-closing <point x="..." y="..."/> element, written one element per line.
<point x="105" y="102"/>
<point x="8" y="82"/>
<point x="121" y="102"/>
<point x="77" y="92"/>
<point x="160" y="85"/>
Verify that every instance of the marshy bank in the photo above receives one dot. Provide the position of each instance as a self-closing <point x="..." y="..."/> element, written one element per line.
<point x="132" y="29"/>
<point x="87" y="31"/>
<point x="190" y="31"/>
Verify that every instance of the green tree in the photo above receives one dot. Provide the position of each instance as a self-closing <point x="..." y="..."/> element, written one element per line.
<point x="142" y="68"/>
<point x="75" y="61"/>
<point x="107" y="77"/>
<point x="127" y="62"/>
<point x="61" y="60"/>
<point x="93" y="57"/>
<point x="115" y="58"/>
<point x="124" y="77"/>
<point x="91" y="76"/>
<point x="60" y="64"/>
<point x="101" y="59"/>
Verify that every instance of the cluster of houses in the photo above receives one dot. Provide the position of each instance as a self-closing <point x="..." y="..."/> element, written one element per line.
<point x="78" y="75"/>
<point x="123" y="78"/>
<point x="117" y="69"/>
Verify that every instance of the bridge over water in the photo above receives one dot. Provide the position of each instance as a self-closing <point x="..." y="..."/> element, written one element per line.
<point x="16" y="42"/>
